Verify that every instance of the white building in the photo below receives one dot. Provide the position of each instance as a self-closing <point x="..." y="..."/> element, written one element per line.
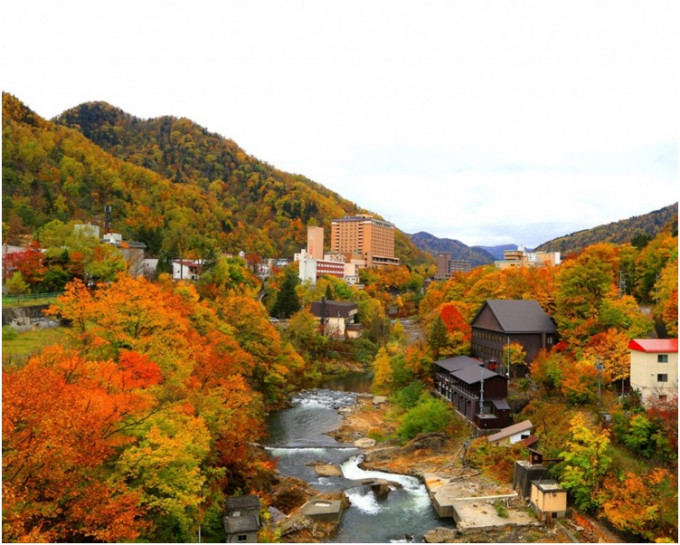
<point x="186" y="269"/>
<point x="654" y="368"/>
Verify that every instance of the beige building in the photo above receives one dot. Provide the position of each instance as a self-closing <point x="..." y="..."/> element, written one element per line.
<point x="654" y="368"/>
<point x="548" y="499"/>
<point x="315" y="242"/>
<point x="521" y="258"/>
<point x="364" y="237"/>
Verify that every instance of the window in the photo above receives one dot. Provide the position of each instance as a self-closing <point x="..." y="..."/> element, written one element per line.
<point x="662" y="358"/>
<point x="662" y="377"/>
<point x="663" y="398"/>
<point x="242" y="538"/>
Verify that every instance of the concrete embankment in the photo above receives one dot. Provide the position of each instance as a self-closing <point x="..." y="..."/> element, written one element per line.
<point x="27" y="318"/>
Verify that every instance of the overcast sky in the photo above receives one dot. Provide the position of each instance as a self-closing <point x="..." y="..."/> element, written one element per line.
<point x="490" y="122"/>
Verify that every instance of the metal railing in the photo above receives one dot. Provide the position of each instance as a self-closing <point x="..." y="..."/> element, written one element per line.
<point x="26" y="299"/>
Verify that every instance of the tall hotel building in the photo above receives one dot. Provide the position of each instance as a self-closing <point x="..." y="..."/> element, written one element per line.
<point x="364" y="237"/>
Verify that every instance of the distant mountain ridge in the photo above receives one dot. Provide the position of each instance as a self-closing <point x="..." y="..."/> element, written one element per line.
<point x="434" y="246"/>
<point x="634" y="230"/>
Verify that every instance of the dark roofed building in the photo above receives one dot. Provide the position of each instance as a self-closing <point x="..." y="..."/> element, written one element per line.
<point x="501" y="322"/>
<point x="242" y="519"/>
<point x="338" y="318"/>
<point x="242" y="529"/>
<point x="476" y="392"/>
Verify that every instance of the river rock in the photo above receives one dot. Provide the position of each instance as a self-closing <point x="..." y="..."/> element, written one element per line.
<point x="327" y="470"/>
<point x="440" y="535"/>
<point x="365" y="442"/>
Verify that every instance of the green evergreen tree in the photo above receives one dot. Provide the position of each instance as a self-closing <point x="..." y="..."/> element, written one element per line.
<point x="437" y="339"/>
<point x="287" y="301"/>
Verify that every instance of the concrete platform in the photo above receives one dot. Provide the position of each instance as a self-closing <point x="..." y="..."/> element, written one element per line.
<point x="462" y="499"/>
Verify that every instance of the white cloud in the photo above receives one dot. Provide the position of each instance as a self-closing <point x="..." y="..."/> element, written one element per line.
<point x="482" y="121"/>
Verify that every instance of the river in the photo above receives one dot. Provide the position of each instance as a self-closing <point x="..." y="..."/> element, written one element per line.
<point x="297" y="437"/>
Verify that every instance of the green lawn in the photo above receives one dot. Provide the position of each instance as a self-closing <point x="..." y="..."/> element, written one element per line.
<point x="27" y="343"/>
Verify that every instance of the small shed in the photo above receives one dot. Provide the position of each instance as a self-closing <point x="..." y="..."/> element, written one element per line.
<point x="323" y="510"/>
<point x="241" y="529"/>
<point x="548" y="499"/>
<point x="512" y="434"/>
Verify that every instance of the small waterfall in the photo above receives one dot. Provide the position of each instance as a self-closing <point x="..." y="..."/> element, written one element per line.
<point x="297" y="438"/>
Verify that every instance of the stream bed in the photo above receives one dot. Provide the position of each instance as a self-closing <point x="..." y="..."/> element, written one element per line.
<point x="297" y="437"/>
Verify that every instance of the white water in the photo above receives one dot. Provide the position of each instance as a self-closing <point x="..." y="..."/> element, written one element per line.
<point x="297" y="437"/>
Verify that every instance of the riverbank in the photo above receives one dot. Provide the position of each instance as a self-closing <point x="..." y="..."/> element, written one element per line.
<point x="437" y="460"/>
<point x="491" y="511"/>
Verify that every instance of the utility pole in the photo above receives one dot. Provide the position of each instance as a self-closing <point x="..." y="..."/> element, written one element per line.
<point x="599" y="366"/>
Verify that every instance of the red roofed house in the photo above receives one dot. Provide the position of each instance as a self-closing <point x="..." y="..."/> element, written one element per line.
<point x="654" y="368"/>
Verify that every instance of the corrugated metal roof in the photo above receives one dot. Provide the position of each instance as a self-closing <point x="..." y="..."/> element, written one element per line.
<point x="520" y="316"/>
<point x="654" y="345"/>
<point x="458" y="362"/>
<point x="526" y="425"/>
<point x="335" y="308"/>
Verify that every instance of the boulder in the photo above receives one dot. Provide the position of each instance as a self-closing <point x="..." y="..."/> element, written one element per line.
<point x="327" y="470"/>
<point x="365" y="442"/>
<point x="379" y="400"/>
<point x="441" y="535"/>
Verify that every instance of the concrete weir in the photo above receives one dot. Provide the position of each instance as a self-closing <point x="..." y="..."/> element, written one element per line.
<point x="451" y="499"/>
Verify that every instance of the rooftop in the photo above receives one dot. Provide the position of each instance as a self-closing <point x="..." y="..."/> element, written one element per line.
<point x="520" y="316"/>
<point x="654" y="345"/>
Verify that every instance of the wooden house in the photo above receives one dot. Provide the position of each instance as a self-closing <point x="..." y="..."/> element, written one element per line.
<point x="476" y="392"/>
<point x="500" y="323"/>
<point x="338" y="319"/>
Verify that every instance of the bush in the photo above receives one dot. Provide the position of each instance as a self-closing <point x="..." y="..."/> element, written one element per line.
<point x="501" y="510"/>
<point x="408" y="397"/>
<point x="428" y="416"/>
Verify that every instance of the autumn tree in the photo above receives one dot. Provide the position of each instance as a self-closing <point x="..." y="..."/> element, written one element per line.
<point x="645" y="505"/>
<point x="587" y="458"/>
<point x="64" y="419"/>
<point x="383" y="375"/>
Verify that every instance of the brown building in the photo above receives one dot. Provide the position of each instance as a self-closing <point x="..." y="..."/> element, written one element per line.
<point x="447" y="266"/>
<point x="364" y="237"/>
<point x="477" y="393"/>
<point x="501" y="322"/>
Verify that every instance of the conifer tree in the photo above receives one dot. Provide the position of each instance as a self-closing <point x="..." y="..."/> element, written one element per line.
<point x="287" y="301"/>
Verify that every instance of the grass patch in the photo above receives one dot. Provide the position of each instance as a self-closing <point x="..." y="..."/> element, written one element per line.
<point x="24" y="345"/>
<point x="23" y="301"/>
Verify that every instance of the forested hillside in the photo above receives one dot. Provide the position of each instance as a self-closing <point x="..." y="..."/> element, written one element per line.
<point x="637" y="230"/>
<point x="171" y="184"/>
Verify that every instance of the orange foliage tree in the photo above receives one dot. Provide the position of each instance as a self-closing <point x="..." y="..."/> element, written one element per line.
<point x="64" y="418"/>
<point x="645" y="505"/>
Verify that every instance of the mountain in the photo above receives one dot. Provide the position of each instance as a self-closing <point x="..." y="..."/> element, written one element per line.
<point x="171" y="184"/>
<point x="433" y="245"/>
<point x="637" y="230"/>
<point x="497" y="251"/>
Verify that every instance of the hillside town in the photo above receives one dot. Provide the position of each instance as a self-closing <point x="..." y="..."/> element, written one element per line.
<point x="488" y="370"/>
